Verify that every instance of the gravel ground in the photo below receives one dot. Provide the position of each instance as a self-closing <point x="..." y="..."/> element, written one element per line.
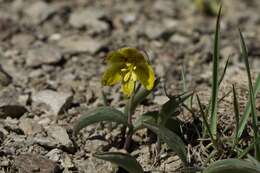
<point x="52" y="58"/>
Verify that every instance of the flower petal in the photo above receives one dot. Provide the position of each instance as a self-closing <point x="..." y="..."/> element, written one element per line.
<point x="112" y="75"/>
<point x="115" y="58"/>
<point x="145" y="74"/>
<point x="132" y="55"/>
<point x="128" y="87"/>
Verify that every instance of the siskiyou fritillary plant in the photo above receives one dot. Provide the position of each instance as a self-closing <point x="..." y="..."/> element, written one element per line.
<point x="131" y="68"/>
<point x="218" y="151"/>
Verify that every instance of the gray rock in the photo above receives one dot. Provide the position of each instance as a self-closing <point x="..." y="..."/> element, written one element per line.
<point x="9" y="103"/>
<point x="46" y="142"/>
<point x="66" y="162"/>
<point x="54" y="155"/>
<point x="45" y="54"/>
<point x="30" y="163"/>
<point x="179" y="39"/>
<point x="5" y="78"/>
<point x="160" y="100"/>
<point x="61" y="136"/>
<point x="56" y="102"/>
<point x="93" y="165"/>
<point x="80" y="44"/>
<point x="39" y="11"/>
<point x="29" y="126"/>
<point x="89" y="19"/>
<point x="153" y="30"/>
<point x="22" y="40"/>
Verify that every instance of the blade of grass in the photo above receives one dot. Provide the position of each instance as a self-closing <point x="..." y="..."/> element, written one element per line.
<point x="247" y="111"/>
<point x="224" y="72"/>
<point x="214" y="102"/>
<point x="251" y="94"/>
<point x="236" y="110"/>
<point x="206" y="122"/>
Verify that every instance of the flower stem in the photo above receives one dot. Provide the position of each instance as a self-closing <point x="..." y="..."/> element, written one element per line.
<point x="129" y="112"/>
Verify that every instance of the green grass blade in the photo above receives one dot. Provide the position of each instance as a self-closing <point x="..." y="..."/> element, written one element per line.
<point x="123" y="160"/>
<point x="247" y="111"/>
<point x="214" y="95"/>
<point x="251" y="94"/>
<point x="224" y="72"/>
<point x="205" y="120"/>
<point x="236" y="110"/>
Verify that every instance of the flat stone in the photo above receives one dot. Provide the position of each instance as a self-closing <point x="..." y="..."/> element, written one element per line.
<point x="55" y="154"/>
<point x="45" y="54"/>
<point x="46" y="142"/>
<point x="39" y="11"/>
<point x="94" y="165"/>
<point x="29" y="126"/>
<point x="88" y="19"/>
<point x="22" y="40"/>
<point x="160" y="100"/>
<point x="60" y="135"/>
<point x="56" y="102"/>
<point x="9" y="103"/>
<point x="153" y="30"/>
<point x="80" y="44"/>
<point x="30" y="163"/>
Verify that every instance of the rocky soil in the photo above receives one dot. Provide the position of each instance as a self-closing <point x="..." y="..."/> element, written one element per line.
<point x="52" y="58"/>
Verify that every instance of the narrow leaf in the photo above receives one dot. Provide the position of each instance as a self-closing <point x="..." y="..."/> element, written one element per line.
<point x="123" y="160"/>
<point x="247" y="111"/>
<point x="236" y="110"/>
<point x="148" y="117"/>
<point x="206" y="122"/>
<point x="100" y="114"/>
<point x="224" y="72"/>
<point x="169" y="108"/>
<point x="214" y="95"/>
<point x="171" y="139"/>
<point x="251" y="94"/>
<point x="232" y="166"/>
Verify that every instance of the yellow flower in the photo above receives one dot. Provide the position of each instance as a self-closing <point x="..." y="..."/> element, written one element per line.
<point x="128" y="65"/>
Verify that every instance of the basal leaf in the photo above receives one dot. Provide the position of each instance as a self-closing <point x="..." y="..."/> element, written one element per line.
<point x="100" y="114"/>
<point x="123" y="160"/>
<point x="232" y="166"/>
<point x="171" y="139"/>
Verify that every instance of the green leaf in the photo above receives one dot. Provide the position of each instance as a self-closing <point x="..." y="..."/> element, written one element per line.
<point x="171" y="139"/>
<point x="169" y="108"/>
<point x="236" y="110"/>
<point x="100" y="114"/>
<point x="148" y="117"/>
<point x="251" y="94"/>
<point x="224" y="72"/>
<point x="215" y="87"/>
<point x="247" y="111"/>
<point x="123" y="160"/>
<point x="205" y="120"/>
<point x="232" y="166"/>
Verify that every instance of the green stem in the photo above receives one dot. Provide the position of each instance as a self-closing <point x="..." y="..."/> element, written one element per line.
<point x="129" y="112"/>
